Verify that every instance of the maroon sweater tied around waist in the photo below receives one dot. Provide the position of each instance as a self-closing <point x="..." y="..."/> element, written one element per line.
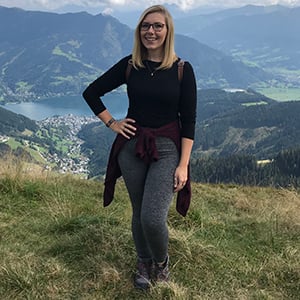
<point x="145" y="150"/>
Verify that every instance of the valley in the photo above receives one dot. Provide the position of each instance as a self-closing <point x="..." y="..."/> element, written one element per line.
<point x="55" y="145"/>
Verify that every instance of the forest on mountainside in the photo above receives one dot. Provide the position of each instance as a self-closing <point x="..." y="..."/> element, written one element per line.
<point x="282" y="171"/>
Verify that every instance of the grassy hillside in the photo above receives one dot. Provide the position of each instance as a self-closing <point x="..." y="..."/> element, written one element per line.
<point x="57" y="242"/>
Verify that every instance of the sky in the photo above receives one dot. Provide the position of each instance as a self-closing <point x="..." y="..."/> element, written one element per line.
<point x="110" y="6"/>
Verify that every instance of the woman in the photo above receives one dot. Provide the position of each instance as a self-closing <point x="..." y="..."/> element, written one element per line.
<point x="154" y="142"/>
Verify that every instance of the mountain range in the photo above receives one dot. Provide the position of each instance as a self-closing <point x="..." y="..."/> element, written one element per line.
<point x="45" y="54"/>
<point x="264" y="36"/>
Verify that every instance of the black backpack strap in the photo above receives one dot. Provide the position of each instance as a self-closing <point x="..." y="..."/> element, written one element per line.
<point x="128" y="69"/>
<point x="180" y="69"/>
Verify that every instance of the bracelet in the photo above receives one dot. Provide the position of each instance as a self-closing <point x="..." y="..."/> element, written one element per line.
<point x="110" y="122"/>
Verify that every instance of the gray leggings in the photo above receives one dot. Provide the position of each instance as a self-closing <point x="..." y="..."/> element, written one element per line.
<point x="150" y="189"/>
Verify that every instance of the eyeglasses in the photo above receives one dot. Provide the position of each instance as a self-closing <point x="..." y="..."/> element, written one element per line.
<point x="157" y="26"/>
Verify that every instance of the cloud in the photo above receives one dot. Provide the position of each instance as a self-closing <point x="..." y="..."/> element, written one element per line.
<point x="107" y="11"/>
<point x="133" y="4"/>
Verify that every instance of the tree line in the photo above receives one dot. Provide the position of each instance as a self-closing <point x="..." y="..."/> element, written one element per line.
<point x="282" y="171"/>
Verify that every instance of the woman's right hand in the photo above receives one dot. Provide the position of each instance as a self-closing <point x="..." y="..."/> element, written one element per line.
<point x="124" y="127"/>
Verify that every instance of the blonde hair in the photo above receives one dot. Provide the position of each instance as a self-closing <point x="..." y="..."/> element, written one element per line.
<point x="139" y="52"/>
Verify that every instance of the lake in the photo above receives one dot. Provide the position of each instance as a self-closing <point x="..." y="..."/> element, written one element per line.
<point x="58" y="106"/>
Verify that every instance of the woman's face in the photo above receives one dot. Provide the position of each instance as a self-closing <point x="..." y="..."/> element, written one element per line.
<point x="153" y="37"/>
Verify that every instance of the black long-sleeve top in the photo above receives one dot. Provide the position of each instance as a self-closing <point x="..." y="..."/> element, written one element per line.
<point x="154" y="101"/>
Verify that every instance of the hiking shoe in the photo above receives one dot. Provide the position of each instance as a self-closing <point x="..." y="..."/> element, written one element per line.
<point x="161" y="271"/>
<point x="143" y="275"/>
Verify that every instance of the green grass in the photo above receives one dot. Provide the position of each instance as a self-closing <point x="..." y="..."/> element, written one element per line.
<point x="70" y="56"/>
<point x="13" y="143"/>
<point x="23" y="86"/>
<point x="58" y="242"/>
<point x="281" y="94"/>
